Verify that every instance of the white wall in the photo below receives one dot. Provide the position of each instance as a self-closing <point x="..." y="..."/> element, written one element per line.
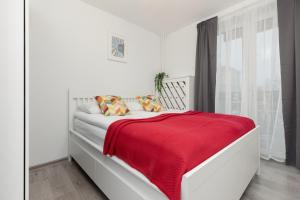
<point x="11" y="101"/>
<point x="68" y="43"/>
<point x="179" y="50"/>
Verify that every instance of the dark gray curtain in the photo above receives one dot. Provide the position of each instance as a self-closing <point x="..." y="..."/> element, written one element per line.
<point x="289" y="40"/>
<point x="206" y="61"/>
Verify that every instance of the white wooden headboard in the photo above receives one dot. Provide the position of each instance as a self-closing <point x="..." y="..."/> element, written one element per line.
<point x="177" y="93"/>
<point x="77" y="98"/>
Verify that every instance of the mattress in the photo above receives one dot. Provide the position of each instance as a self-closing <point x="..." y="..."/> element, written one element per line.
<point x="93" y="133"/>
<point x="94" y="126"/>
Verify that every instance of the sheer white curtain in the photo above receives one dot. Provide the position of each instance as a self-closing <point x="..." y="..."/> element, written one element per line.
<point x="248" y="72"/>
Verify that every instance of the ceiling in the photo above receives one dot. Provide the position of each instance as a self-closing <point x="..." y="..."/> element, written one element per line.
<point x="162" y="16"/>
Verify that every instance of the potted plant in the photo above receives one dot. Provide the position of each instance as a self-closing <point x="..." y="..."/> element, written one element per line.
<point x="159" y="81"/>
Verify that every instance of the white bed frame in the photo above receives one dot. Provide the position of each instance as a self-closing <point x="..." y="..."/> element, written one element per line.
<point x="223" y="176"/>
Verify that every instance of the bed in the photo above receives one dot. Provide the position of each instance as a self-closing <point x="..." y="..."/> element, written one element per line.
<point x="225" y="175"/>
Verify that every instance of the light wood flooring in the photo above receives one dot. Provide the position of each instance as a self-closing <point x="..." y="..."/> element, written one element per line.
<point x="66" y="181"/>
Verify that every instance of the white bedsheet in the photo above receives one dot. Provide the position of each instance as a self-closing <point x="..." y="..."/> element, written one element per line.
<point x="103" y="122"/>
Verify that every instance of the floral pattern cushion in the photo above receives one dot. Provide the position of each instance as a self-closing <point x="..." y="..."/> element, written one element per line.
<point x="112" y="105"/>
<point x="149" y="103"/>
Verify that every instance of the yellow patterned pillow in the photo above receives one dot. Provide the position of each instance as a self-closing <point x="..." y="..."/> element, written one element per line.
<point x="112" y="105"/>
<point x="149" y="103"/>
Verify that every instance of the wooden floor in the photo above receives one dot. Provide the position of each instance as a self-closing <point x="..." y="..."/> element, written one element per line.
<point x="66" y="181"/>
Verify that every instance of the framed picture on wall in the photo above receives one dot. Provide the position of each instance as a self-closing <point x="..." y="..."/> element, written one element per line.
<point x="117" y="48"/>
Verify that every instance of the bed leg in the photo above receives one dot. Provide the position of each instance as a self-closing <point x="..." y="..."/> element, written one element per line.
<point x="258" y="171"/>
<point x="70" y="158"/>
<point x="259" y="165"/>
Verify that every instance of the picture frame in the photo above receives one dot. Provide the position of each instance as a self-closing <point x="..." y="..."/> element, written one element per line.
<point x="117" y="47"/>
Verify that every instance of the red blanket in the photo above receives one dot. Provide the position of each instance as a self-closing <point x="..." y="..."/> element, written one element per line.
<point x="167" y="146"/>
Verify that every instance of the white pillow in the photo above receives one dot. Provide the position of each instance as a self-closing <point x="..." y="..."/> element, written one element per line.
<point x="90" y="108"/>
<point x="134" y="106"/>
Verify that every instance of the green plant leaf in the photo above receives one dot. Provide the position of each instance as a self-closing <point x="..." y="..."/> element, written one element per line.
<point x="158" y="80"/>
